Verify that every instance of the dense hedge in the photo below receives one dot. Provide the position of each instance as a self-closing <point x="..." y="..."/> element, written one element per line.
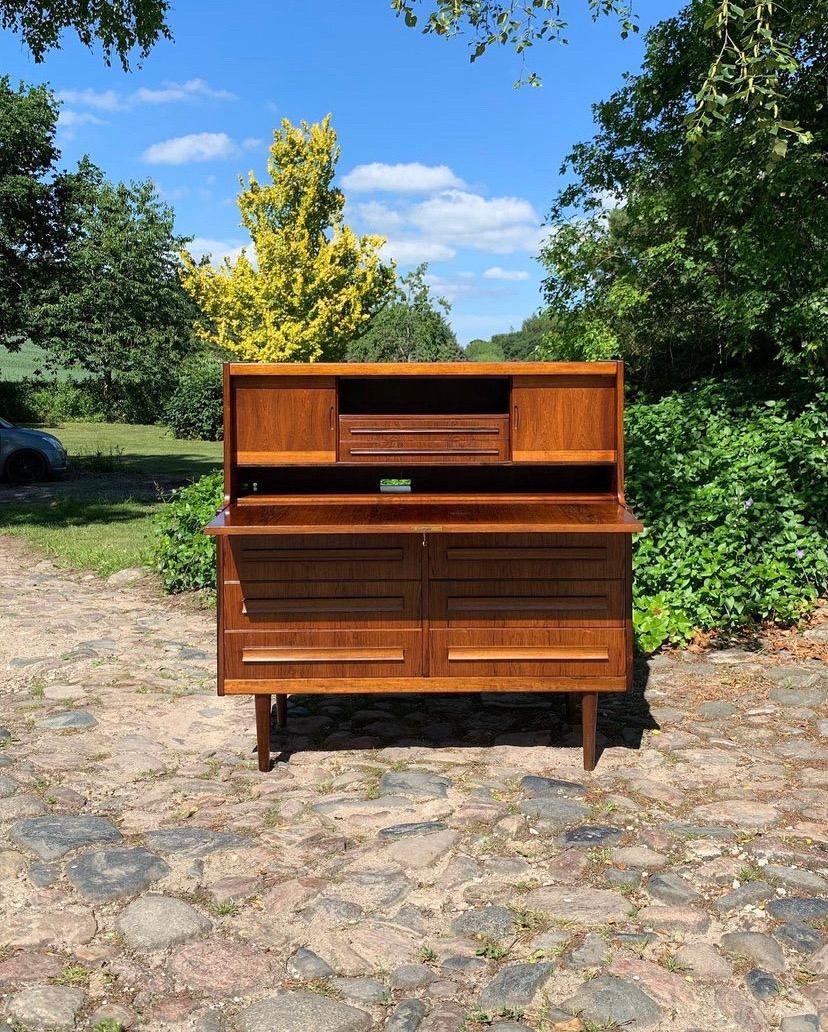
<point x="183" y="554"/>
<point x="195" y="409"/>
<point x="729" y="478"/>
<point x="41" y="400"/>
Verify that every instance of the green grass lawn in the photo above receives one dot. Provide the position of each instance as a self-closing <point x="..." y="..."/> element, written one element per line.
<point x="93" y="533"/>
<point x="131" y="448"/>
<point x="103" y="519"/>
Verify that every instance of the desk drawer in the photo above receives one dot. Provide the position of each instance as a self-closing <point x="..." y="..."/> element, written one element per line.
<point x="286" y="654"/>
<point x="423" y="440"/>
<point x="526" y="603"/>
<point x="495" y="652"/>
<point x="317" y="605"/>
<point x="526" y="557"/>
<point x="310" y="557"/>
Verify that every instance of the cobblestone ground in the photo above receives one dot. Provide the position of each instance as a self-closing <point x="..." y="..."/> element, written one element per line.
<point x="433" y="864"/>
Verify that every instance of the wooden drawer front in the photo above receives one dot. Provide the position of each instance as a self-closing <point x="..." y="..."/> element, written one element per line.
<point x="423" y="440"/>
<point x="526" y="556"/>
<point x="266" y="605"/>
<point x="528" y="603"/>
<point x="493" y="652"/>
<point x="324" y="558"/>
<point x="275" y="654"/>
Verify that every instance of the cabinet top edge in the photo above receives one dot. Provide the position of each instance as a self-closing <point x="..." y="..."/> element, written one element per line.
<point x="423" y="368"/>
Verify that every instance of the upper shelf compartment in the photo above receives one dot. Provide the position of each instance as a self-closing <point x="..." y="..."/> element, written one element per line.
<point x="423" y="395"/>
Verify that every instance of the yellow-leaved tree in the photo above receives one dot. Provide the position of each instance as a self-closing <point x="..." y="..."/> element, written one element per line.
<point x="314" y="283"/>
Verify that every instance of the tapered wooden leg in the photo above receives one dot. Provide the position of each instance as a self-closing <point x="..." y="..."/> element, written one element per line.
<point x="263" y="731"/>
<point x="571" y="703"/>
<point x="281" y="710"/>
<point x="589" y="719"/>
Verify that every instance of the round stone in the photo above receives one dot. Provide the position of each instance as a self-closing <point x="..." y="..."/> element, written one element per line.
<point x="614" y="1000"/>
<point x="109" y="873"/>
<point x="51" y="1008"/>
<point x="305" y="964"/>
<point x="156" y="922"/>
<point x="492" y="922"/>
<point x="588" y="835"/>
<point x="52" y="837"/>
<point x="799" y="908"/>
<point x="298" y="1012"/>
<point x="762" y="984"/>
<point x="76" y="720"/>
<point x="553" y="812"/>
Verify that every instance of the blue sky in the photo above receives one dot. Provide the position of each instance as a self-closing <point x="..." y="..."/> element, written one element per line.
<point x="444" y="158"/>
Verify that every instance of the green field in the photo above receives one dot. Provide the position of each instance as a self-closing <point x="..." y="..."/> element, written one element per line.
<point x="28" y="361"/>
<point x="102" y="519"/>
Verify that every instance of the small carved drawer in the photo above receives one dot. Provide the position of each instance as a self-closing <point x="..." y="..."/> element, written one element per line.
<point x="322" y="605"/>
<point x="309" y="557"/>
<point x="424" y="440"/>
<point x="316" y="654"/>
<point x="495" y="652"/>
<point x="526" y="603"/>
<point x="525" y="556"/>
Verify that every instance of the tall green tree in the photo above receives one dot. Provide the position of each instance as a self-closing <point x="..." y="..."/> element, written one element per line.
<point x="411" y="328"/>
<point x="117" y="309"/>
<point x="37" y="212"/>
<point x="119" y="26"/>
<point x="683" y="257"/>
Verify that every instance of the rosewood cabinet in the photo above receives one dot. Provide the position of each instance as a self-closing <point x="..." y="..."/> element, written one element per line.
<point x="425" y="528"/>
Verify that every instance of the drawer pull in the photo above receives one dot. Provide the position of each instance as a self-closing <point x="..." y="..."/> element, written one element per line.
<point x="289" y="654"/>
<point x="272" y="606"/>
<point x="423" y="451"/>
<point x="517" y="552"/>
<point x="320" y="555"/>
<point x="426" y="430"/>
<point x="461" y="604"/>
<point x="483" y="654"/>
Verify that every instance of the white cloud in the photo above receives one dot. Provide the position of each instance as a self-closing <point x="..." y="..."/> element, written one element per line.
<point x="414" y="251"/>
<point x="167" y="93"/>
<point x="218" y="250"/>
<point x="173" y="92"/>
<point x="100" y="100"/>
<point x="252" y="143"/>
<point x="69" y="118"/>
<point x="510" y="275"/>
<point x="193" y="147"/>
<point x="379" y="216"/>
<point x="501" y="225"/>
<point x="410" y="177"/>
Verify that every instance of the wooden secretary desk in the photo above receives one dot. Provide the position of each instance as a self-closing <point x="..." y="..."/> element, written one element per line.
<point x="453" y="527"/>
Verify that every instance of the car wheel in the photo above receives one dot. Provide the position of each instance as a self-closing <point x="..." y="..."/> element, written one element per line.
<point x="25" y="467"/>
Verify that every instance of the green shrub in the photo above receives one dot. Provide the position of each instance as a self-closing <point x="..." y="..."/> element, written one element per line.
<point x="46" y="401"/>
<point x="63" y="400"/>
<point x="183" y="554"/>
<point x="729" y="478"/>
<point x="195" y="409"/>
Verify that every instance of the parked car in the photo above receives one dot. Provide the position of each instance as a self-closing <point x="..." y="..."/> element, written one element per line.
<point x="29" y="455"/>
